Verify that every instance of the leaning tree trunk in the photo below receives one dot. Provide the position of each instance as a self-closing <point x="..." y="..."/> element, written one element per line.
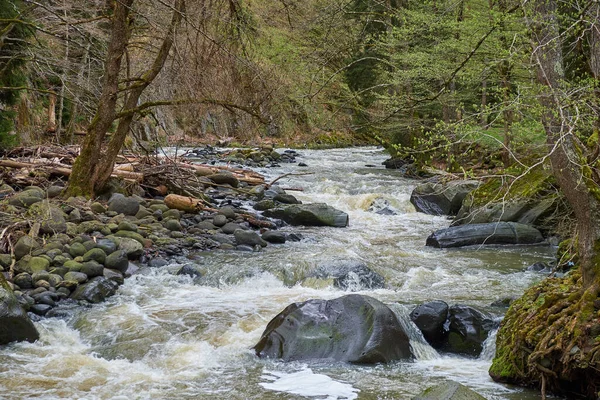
<point x="85" y="169"/>
<point x="567" y="154"/>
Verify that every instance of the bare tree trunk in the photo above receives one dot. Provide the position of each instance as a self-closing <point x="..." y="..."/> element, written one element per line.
<point x="51" y="127"/>
<point x="567" y="154"/>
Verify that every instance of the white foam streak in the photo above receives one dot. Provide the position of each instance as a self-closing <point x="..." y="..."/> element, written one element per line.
<point x="308" y="384"/>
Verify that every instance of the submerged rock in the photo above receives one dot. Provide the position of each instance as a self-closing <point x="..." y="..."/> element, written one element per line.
<point x="352" y="328"/>
<point x="350" y="275"/>
<point x="431" y="319"/>
<point x="15" y="325"/>
<point x="96" y="290"/>
<point x="468" y="330"/>
<point x="314" y="214"/>
<point x="449" y="391"/>
<point x="492" y="233"/>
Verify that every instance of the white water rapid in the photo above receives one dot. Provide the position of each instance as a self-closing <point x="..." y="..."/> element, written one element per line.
<point x="164" y="337"/>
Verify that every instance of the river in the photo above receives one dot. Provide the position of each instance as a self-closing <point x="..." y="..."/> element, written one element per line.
<point x="164" y="337"/>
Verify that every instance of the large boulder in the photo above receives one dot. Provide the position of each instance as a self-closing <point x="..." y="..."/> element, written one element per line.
<point x="25" y="245"/>
<point x="491" y="233"/>
<point x="441" y="198"/>
<point x="449" y="391"/>
<point x="314" y="214"/>
<point x="15" y="325"/>
<point x="350" y="275"/>
<point x="431" y="319"/>
<point x="352" y="328"/>
<point x="96" y="290"/>
<point x="467" y="330"/>
<point x="27" y="197"/>
<point x="51" y="217"/>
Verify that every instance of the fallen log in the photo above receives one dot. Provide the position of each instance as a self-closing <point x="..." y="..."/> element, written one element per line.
<point x="63" y="170"/>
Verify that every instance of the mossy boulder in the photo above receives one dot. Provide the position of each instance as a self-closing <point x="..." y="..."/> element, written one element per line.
<point x="51" y="217"/>
<point x="26" y="198"/>
<point x="352" y="328"/>
<point x="25" y="245"/>
<point x="32" y="265"/>
<point x="95" y="254"/>
<point x="441" y="198"/>
<point x="96" y="290"/>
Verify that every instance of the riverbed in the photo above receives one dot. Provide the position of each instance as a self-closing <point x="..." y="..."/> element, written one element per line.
<point x="167" y="337"/>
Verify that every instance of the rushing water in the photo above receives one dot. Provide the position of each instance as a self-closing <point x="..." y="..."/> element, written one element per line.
<point x="163" y="336"/>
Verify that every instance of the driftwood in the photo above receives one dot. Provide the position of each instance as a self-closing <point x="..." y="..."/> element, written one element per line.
<point x="65" y="170"/>
<point x="194" y="205"/>
<point x="285" y="175"/>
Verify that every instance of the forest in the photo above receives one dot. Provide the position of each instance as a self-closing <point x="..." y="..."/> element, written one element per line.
<point x="506" y="92"/>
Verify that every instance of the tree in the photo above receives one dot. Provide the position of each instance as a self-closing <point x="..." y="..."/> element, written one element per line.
<point x="14" y="32"/>
<point x="93" y="167"/>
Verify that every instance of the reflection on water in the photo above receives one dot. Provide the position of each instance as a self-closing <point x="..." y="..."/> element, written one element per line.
<point x="164" y="336"/>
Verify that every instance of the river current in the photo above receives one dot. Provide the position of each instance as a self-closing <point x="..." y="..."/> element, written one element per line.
<point x="165" y="337"/>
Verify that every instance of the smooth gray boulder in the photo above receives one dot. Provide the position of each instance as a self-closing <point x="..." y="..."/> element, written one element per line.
<point x="491" y="233"/>
<point x="441" y="198"/>
<point x="449" y="391"/>
<point x="124" y="205"/>
<point x="249" y="238"/>
<point x="25" y="245"/>
<point x="314" y="214"/>
<point x="15" y="325"/>
<point x="352" y="328"/>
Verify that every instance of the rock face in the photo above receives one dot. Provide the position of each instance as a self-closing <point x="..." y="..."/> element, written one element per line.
<point x="350" y="275"/>
<point x="449" y="391"/>
<point x="352" y="328"/>
<point x="315" y="214"/>
<point x="441" y="199"/>
<point x="491" y="233"/>
<point x="15" y="325"/>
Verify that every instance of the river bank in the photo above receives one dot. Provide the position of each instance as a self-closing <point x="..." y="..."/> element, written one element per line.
<point x="163" y="333"/>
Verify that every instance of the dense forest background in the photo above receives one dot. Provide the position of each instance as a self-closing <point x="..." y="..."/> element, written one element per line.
<point x="431" y="78"/>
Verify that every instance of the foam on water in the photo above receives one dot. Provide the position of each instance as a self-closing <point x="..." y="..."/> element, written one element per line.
<point x="308" y="384"/>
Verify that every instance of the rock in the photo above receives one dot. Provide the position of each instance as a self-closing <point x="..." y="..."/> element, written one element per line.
<point x="229" y="212"/>
<point x="491" y="233"/>
<point x="52" y="218"/>
<point x="92" y="268"/>
<point x="40" y="309"/>
<point x="250" y="238"/>
<point x="224" y="178"/>
<point x="5" y="260"/>
<point x="127" y="226"/>
<point x="41" y="275"/>
<point x="157" y="263"/>
<point x="219" y="220"/>
<point x="15" y="325"/>
<point x="172" y="213"/>
<point x="468" y="329"/>
<point x="315" y="214"/>
<point x="33" y="265"/>
<point x="77" y="249"/>
<point x="22" y="280"/>
<point x="206" y="225"/>
<point x="449" y="391"/>
<point x="172" y="225"/>
<point x="114" y="275"/>
<point x="98" y="208"/>
<point x="124" y="205"/>
<point x="117" y="260"/>
<point x="96" y="254"/>
<point x="25" y="245"/>
<point x="106" y="245"/>
<point x="131" y="235"/>
<point x="75" y="216"/>
<point x="263" y="205"/>
<point x="143" y="213"/>
<point x="441" y="199"/>
<point x="430" y="318"/>
<point x="54" y="191"/>
<point x="286" y="199"/>
<point x="96" y="290"/>
<point x="133" y="248"/>
<point x="74" y="276"/>
<point x="349" y="275"/>
<point x="26" y="198"/>
<point x="73" y="265"/>
<point x="230" y="227"/>
<point x="352" y="328"/>
<point x="190" y="270"/>
<point x="274" y="237"/>
<point x="382" y="207"/>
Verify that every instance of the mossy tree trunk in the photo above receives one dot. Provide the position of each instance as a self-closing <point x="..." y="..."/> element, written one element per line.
<point x="571" y="159"/>
<point x="95" y="164"/>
